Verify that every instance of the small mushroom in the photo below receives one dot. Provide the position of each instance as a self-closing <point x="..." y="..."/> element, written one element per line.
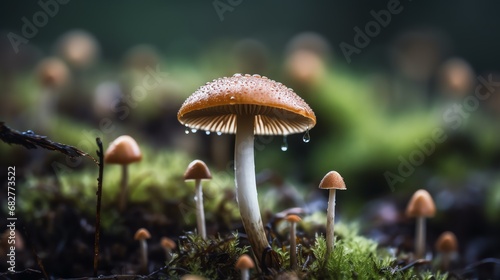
<point x="293" y="220"/>
<point x="332" y="181"/>
<point x="124" y="150"/>
<point x="197" y="170"/>
<point x="53" y="75"/>
<point x="421" y="206"/>
<point x="244" y="264"/>
<point x="247" y="105"/>
<point x="168" y="245"/>
<point x="142" y="234"/>
<point x="446" y="245"/>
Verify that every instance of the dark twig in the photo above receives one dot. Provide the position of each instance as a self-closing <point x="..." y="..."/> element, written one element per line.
<point x="35" y="255"/>
<point x="100" y="154"/>
<point x="30" y="140"/>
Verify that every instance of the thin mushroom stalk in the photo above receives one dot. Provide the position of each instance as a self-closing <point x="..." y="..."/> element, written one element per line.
<point x="330" y="223"/>
<point x="200" y="213"/>
<point x="122" y="201"/>
<point x="420" y="238"/>
<point x="244" y="167"/>
<point x="144" y="256"/>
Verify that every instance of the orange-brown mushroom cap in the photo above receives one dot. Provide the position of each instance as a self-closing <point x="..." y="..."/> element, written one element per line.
<point x="332" y="180"/>
<point x="168" y="243"/>
<point x="277" y="109"/>
<point x="421" y="205"/>
<point x="123" y="150"/>
<point x="244" y="262"/>
<point x="447" y="242"/>
<point x="142" y="234"/>
<point x="196" y="170"/>
<point x="293" y="218"/>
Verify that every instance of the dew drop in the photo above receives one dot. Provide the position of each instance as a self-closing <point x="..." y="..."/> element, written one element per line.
<point x="207" y="132"/>
<point x="29" y="132"/>
<point x="284" y="146"/>
<point x="186" y="130"/>
<point x="193" y="130"/>
<point x="219" y="133"/>
<point x="306" y="137"/>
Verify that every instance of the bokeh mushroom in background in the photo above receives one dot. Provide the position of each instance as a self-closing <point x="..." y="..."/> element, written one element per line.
<point x="447" y="247"/>
<point x="244" y="264"/>
<point x="456" y="78"/>
<point x="293" y="220"/>
<point x="420" y="207"/>
<point x="79" y="48"/>
<point x="142" y="235"/>
<point x="124" y="151"/>
<point x="307" y="58"/>
<point x="197" y="170"/>
<point x="332" y="182"/>
<point x="53" y="75"/>
<point x="247" y="105"/>
<point x="168" y="245"/>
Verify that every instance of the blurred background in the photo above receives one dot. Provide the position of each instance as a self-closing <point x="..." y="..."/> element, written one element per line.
<point x="405" y="95"/>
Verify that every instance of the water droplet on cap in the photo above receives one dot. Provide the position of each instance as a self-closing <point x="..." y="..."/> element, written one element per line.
<point x="193" y="130"/>
<point x="207" y="132"/>
<point x="219" y="133"/>
<point x="306" y="137"/>
<point x="284" y="145"/>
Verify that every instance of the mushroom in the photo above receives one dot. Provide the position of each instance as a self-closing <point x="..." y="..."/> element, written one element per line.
<point x="197" y="170"/>
<point x="168" y="245"/>
<point x="142" y="234"/>
<point x="293" y="220"/>
<point x="332" y="181"/>
<point x="247" y="105"/>
<point x="53" y="75"/>
<point x="244" y="264"/>
<point x="447" y="245"/>
<point x="421" y="206"/>
<point x="79" y="48"/>
<point x="124" y="150"/>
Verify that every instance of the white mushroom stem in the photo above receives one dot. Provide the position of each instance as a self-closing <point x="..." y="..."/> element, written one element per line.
<point x="420" y="238"/>
<point x="122" y="201"/>
<point x="244" y="169"/>
<point x="330" y="222"/>
<point x="445" y="261"/>
<point x="200" y="213"/>
<point x="293" y="245"/>
<point x="143" y="256"/>
<point x="245" y="274"/>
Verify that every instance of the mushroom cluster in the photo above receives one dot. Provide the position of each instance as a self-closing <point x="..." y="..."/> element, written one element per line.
<point x="247" y="105"/>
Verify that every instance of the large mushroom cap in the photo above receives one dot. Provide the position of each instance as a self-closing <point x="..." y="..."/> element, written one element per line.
<point x="197" y="170"/>
<point x="124" y="150"/>
<point x="332" y="180"/>
<point x="421" y="205"/>
<point x="277" y="109"/>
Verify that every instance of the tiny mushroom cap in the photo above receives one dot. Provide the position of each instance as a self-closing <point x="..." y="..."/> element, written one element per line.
<point x="332" y="180"/>
<point x="123" y="150"/>
<point x="447" y="242"/>
<point x="142" y="234"/>
<point x="421" y="205"/>
<point x="277" y="109"/>
<point x="244" y="262"/>
<point x="293" y="218"/>
<point x="196" y="170"/>
<point x="168" y="243"/>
